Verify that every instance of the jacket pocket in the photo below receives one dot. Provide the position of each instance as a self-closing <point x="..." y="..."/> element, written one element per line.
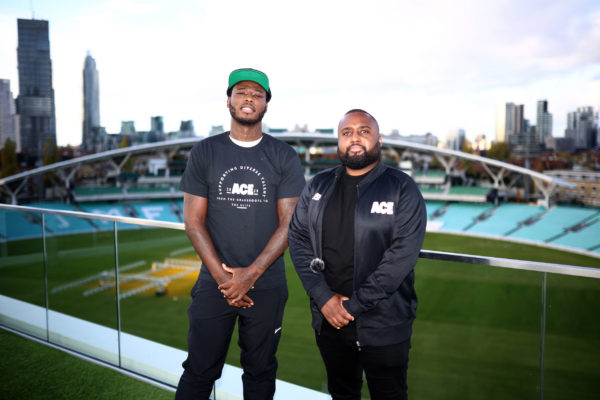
<point x="395" y="310"/>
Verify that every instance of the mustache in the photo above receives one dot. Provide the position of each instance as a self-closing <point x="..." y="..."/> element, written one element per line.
<point x="359" y="145"/>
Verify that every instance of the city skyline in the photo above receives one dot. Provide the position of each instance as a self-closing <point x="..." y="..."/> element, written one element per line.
<point x="418" y="68"/>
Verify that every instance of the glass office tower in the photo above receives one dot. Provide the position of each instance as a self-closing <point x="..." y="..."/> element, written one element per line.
<point x="35" y="103"/>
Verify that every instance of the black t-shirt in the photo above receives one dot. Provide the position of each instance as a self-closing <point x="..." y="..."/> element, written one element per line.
<point x="338" y="235"/>
<point x="242" y="186"/>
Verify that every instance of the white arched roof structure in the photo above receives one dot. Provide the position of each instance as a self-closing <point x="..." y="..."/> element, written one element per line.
<point x="448" y="158"/>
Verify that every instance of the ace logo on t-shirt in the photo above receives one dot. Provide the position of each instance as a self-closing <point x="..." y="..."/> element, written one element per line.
<point x="242" y="186"/>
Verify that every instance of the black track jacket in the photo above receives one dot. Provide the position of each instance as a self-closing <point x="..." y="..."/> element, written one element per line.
<point x="390" y="222"/>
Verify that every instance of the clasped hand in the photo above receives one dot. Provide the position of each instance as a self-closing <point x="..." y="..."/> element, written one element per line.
<point x="335" y="313"/>
<point x="236" y="288"/>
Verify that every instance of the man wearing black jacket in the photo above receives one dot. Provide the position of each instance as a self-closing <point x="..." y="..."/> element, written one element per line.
<point x="355" y="238"/>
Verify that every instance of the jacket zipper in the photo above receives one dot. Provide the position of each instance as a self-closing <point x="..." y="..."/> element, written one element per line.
<point x="356" y="269"/>
<point x="317" y="228"/>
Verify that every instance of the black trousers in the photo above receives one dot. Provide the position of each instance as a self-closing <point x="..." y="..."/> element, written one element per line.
<point x="211" y="325"/>
<point x="385" y="367"/>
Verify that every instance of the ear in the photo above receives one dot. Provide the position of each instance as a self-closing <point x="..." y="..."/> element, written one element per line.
<point x="228" y="102"/>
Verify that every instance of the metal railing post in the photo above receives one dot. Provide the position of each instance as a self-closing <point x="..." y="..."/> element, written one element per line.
<point x="117" y="292"/>
<point x="543" y="335"/>
<point x="45" y="262"/>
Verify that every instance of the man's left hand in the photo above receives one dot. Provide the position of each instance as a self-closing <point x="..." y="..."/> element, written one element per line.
<point x="242" y="280"/>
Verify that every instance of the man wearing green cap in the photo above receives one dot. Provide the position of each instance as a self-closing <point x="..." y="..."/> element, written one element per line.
<point x="240" y="189"/>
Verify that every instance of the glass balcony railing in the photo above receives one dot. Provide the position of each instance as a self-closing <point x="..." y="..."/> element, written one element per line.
<point x="117" y="291"/>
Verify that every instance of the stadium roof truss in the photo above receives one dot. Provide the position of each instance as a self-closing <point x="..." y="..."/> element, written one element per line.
<point x="449" y="159"/>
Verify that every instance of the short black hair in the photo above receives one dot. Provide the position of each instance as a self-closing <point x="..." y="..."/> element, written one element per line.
<point x="358" y="110"/>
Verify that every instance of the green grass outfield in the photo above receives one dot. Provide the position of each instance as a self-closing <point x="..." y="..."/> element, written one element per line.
<point x="477" y="333"/>
<point x="38" y="372"/>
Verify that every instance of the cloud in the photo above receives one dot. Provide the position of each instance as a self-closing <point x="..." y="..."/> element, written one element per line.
<point x="430" y="66"/>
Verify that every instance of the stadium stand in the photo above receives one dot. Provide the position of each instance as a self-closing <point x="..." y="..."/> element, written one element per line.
<point x="86" y="191"/>
<point x="19" y="225"/>
<point x="58" y="224"/>
<point x="459" y="216"/>
<point x="431" y="190"/>
<point x="553" y="223"/>
<point x="567" y="226"/>
<point x="468" y="190"/>
<point x="585" y="237"/>
<point x="473" y="194"/>
<point x="97" y="193"/>
<point x="148" y="189"/>
<point x="157" y="210"/>
<point x="505" y="218"/>
<point x="432" y="207"/>
<point x="115" y="209"/>
<point x="430" y="177"/>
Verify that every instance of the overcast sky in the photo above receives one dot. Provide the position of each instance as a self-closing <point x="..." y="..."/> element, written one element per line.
<point x="418" y="67"/>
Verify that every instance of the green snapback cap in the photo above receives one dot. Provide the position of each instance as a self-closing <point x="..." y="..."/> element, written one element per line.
<point x="249" y="74"/>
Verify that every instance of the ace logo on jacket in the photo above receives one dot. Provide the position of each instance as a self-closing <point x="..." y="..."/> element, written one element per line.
<point x="383" y="207"/>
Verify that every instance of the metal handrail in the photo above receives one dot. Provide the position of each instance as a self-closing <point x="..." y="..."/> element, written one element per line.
<point x="564" y="269"/>
<point x="111" y="218"/>
<point x="536" y="266"/>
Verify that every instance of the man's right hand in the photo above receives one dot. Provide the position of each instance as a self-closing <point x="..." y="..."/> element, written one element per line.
<point x="244" y="302"/>
<point x="335" y="313"/>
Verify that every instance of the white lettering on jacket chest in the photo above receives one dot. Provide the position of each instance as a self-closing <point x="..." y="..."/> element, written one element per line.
<point x="383" y="207"/>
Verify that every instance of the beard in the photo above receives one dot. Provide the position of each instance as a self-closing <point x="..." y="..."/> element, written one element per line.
<point x="362" y="160"/>
<point x="246" y="121"/>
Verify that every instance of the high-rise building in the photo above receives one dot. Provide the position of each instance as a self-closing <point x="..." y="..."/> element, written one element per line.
<point x="91" y="103"/>
<point x="187" y="128"/>
<point x="519" y="124"/>
<point x="543" y="122"/>
<point x="156" y="124"/>
<point x="35" y="104"/>
<point x="522" y="137"/>
<point x="500" y="123"/>
<point x="455" y="139"/>
<point x="9" y="121"/>
<point x="509" y="121"/>
<point x="127" y="128"/>
<point x="582" y="127"/>
<point x="157" y="130"/>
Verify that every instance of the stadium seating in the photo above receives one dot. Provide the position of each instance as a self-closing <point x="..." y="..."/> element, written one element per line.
<point x="431" y="177"/>
<point x="587" y="238"/>
<point x="554" y="222"/>
<point x="148" y="189"/>
<point x="87" y="191"/>
<point x="469" y="190"/>
<point x="506" y="218"/>
<point x="433" y="206"/>
<point x="431" y="190"/>
<point x="459" y="216"/>
<point x="59" y="224"/>
<point x="114" y="209"/>
<point x="156" y="210"/>
<point x="19" y="225"/>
